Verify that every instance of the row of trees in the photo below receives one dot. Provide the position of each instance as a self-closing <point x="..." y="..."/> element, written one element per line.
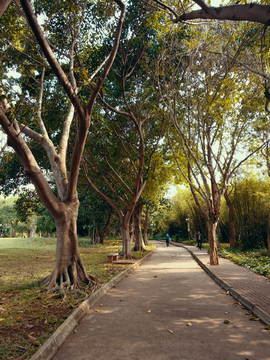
<point x="24" y="216"/>
<point x="249" y="196"/>
<point x="164" y="96"/>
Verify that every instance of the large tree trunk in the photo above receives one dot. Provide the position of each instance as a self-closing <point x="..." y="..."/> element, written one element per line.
<point x="126" y="243"/>
<point x="212" y="237"/>
<point x="139" y="244"/>
<point x="3" y="6"/>
<point x="69" y="270"/>
<point x="232" y="221"/>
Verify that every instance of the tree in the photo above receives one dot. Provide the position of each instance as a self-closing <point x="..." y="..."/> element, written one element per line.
<point x="8" y="218"/>
<point x="251" y="205"/>
<point x="95" y="215"/>
<point x="121" y="148"/>
<point x="254" y="12"/>
<point x="69" y="270"/>
<point x="213" y="118"/>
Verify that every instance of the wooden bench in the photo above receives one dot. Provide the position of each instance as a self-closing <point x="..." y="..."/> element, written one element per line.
<point x="112" y="257"/>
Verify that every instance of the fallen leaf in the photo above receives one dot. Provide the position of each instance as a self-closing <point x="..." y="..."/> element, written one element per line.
<point x="97" y="310"/>
<point x="223" y="292"/>
<point x="2" y="319"/>
<point x="170" y="331"/>
<point x="252" y="318"/>
<point x="189" y="324"/>
<point x="226" y="321"/>
<point x="20" y="347"/>
<point x="155" y="275"/>
<point x="29" y="326"/>
<point x="267" y="327"/>
<point x="227" y="293"/>
<point x="75" y="331"/>
<point x="227" y="312"/>
<point x="33" y="340"/>
<point x="236" y="303"/>
<point x="101" y="305"/>
<point x="148" y="311"/>
<point x="247" y="313"/>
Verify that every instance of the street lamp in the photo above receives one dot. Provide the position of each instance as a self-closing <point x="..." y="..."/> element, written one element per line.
<point x="188" y="226"/>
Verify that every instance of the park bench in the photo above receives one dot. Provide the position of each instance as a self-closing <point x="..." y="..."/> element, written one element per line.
<point x="112" y="257"/>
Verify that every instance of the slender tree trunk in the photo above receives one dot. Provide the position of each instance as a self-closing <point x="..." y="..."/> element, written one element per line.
<point x="11" y="229"/>
<point x="69" y="270"/>
<point x="232" y="217"/>
<point x="212" y="237"/>
<point x="102" y="234"/>
<point x="139" y="243"/>
<point x="145" y="227"/>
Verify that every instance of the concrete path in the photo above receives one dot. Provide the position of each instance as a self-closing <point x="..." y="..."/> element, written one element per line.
<point x="251" y="289"/>
<point x="186" y="320"/>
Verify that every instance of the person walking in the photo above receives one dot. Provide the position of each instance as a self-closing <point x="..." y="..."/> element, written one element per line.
<point x="167" y="237"/>
<point x="199" y="238"/>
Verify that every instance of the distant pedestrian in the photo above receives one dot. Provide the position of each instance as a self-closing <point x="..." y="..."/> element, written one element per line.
<point x="167" y="239"/>
<point x="199" y="238"/>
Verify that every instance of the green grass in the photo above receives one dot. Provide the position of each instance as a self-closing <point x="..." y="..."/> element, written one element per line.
<point x="28" y="315"/>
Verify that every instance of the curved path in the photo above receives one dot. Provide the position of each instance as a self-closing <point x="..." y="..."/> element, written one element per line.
<point x="186" y="320"/>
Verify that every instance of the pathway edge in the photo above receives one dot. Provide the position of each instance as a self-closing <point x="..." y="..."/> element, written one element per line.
<point x="51" y="346"/>
<point x="257" y="311"/>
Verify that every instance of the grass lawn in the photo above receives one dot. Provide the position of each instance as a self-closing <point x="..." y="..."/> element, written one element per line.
<point x="28" y="315"/>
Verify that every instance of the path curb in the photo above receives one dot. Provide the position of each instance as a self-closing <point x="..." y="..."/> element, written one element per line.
<point x="257" y="311"/>
<point x="51" y="346"/>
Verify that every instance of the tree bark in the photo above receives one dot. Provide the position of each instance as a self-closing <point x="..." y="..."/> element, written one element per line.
<point x="212" y="237"/>
<point x="139" y="243"/>
<point x="124" y="229"/>
<point x="239" y="12"/>
<point x="232" y="217"/>
<point x="102" y="234"/>
<point x="145" y="227"/>
<point x="3" y="6"/>
<point x="69" y="270"/>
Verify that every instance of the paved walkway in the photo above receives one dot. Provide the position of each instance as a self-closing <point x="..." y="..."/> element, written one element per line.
<point x="251" y="289"/>
<point x="168" y="308"/>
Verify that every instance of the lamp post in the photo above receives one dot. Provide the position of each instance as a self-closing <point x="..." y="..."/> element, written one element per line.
<point x="188" y="226"/>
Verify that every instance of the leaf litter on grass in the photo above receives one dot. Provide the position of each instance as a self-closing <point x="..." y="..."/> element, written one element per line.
<point x="29" y="316"/>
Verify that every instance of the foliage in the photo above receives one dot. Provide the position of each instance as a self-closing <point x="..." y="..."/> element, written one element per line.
<point x="8" y="217"/>
<point x="258" y="264"/>
<point x="173" y="218"/>
<point x="250" y="197"/>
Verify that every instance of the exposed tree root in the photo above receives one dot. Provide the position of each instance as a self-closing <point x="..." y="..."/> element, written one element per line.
<point x="64" y="298"/>
<point x="69" y="279"/>
<point x="80" y="293"/>
<point x="141" y="248"/>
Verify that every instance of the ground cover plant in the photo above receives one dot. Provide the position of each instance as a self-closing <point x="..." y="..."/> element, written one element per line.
<point x="28" y="314"/>
<point x="255" y="260"/>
